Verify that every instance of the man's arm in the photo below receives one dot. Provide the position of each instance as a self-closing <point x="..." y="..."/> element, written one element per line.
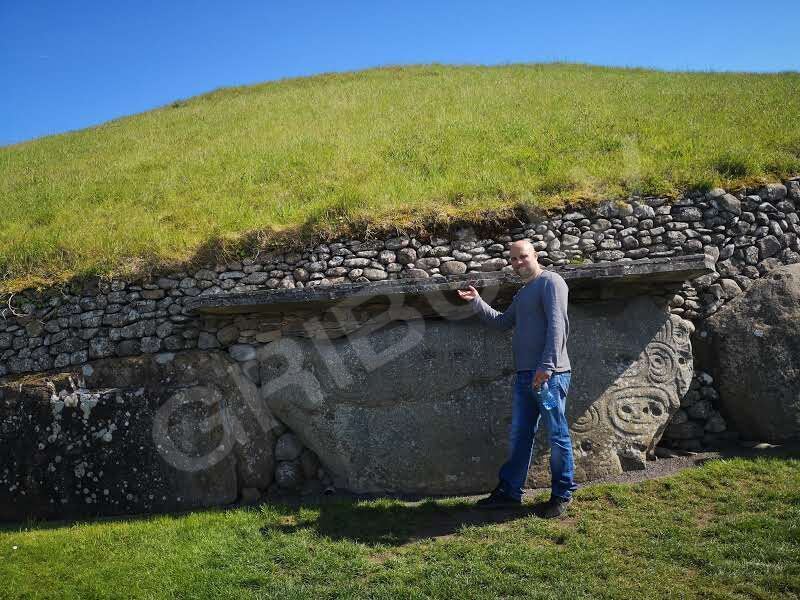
<point x="554" y="299"/>
<point x="494" y="318"/>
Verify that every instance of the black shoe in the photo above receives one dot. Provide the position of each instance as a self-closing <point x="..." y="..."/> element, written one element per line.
<point x="498" y="499"/>
<point x="555" y="507"/>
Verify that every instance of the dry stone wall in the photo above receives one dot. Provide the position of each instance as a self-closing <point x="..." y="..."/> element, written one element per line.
<point x="698" y="423"/>
<point x="748" y="234"/>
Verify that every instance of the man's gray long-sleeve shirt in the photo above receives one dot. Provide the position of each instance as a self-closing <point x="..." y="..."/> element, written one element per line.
<point x="538" y="314"/>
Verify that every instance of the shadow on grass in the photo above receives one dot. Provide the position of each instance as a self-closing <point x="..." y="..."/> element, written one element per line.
<point x="388" y="519"/>
<point x="392" y="524"/>
<point x="790" y="450"/>
<point x="42" y="524"/>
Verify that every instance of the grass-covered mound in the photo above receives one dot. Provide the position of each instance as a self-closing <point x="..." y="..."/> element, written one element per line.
<point x="730" y="529"/>
<point x="392" y="146"/>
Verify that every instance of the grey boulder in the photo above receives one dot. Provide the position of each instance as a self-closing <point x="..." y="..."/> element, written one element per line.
<point x="753" y="345"/>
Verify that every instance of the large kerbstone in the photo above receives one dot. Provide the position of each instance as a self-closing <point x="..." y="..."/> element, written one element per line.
<point x="128" y="435"/>
<point x="753" y="346"/>
<point x="424" y="405"/>
<point x="418" y="417"/>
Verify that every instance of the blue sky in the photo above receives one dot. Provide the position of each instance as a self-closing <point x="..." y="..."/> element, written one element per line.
<point x="71" y="64"/>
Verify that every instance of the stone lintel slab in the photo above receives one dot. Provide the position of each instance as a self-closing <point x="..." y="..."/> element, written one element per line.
<point x="586" y="282"/>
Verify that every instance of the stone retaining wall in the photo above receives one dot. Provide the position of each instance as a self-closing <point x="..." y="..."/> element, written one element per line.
<point x="748" y="233"/>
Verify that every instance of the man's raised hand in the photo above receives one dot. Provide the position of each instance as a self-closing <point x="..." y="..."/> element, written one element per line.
<point x="468" y="294"/>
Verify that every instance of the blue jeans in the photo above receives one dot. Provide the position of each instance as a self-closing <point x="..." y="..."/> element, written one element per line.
<point x="527" y="410"/>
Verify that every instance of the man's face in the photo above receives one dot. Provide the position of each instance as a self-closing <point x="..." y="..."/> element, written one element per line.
<point x="523" y="260"/>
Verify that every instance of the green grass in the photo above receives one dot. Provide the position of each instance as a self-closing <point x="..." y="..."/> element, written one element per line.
<point x="730" y="529"/>
<point x="218" y="174"/>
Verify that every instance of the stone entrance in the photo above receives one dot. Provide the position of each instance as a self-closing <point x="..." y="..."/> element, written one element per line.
<point x="390" y="387"/>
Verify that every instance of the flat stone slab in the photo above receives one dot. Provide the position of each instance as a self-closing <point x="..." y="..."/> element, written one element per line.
<point x="431" y="296"/>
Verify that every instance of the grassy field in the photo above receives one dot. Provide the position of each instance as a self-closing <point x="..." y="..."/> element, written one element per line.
<point x="730" y="529"/>
<point x="394" y="147"/>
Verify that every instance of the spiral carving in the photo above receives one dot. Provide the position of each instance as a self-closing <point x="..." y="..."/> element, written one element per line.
<point x="662" y="362"/>
<point x="680" y="334"/>
<point x="587" y="421"/>
<point x="638" y="411"/>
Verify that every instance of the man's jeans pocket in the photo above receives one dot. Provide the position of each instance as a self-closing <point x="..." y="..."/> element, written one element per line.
<point x="563" y="380"/>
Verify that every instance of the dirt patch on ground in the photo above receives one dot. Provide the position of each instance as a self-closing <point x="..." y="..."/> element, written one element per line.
<point x="704" y="518"/>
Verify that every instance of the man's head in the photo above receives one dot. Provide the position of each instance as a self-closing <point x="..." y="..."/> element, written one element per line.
<point x="524" y="260"/>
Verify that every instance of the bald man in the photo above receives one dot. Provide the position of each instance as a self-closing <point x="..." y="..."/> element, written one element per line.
<point x="538" y="314"/>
